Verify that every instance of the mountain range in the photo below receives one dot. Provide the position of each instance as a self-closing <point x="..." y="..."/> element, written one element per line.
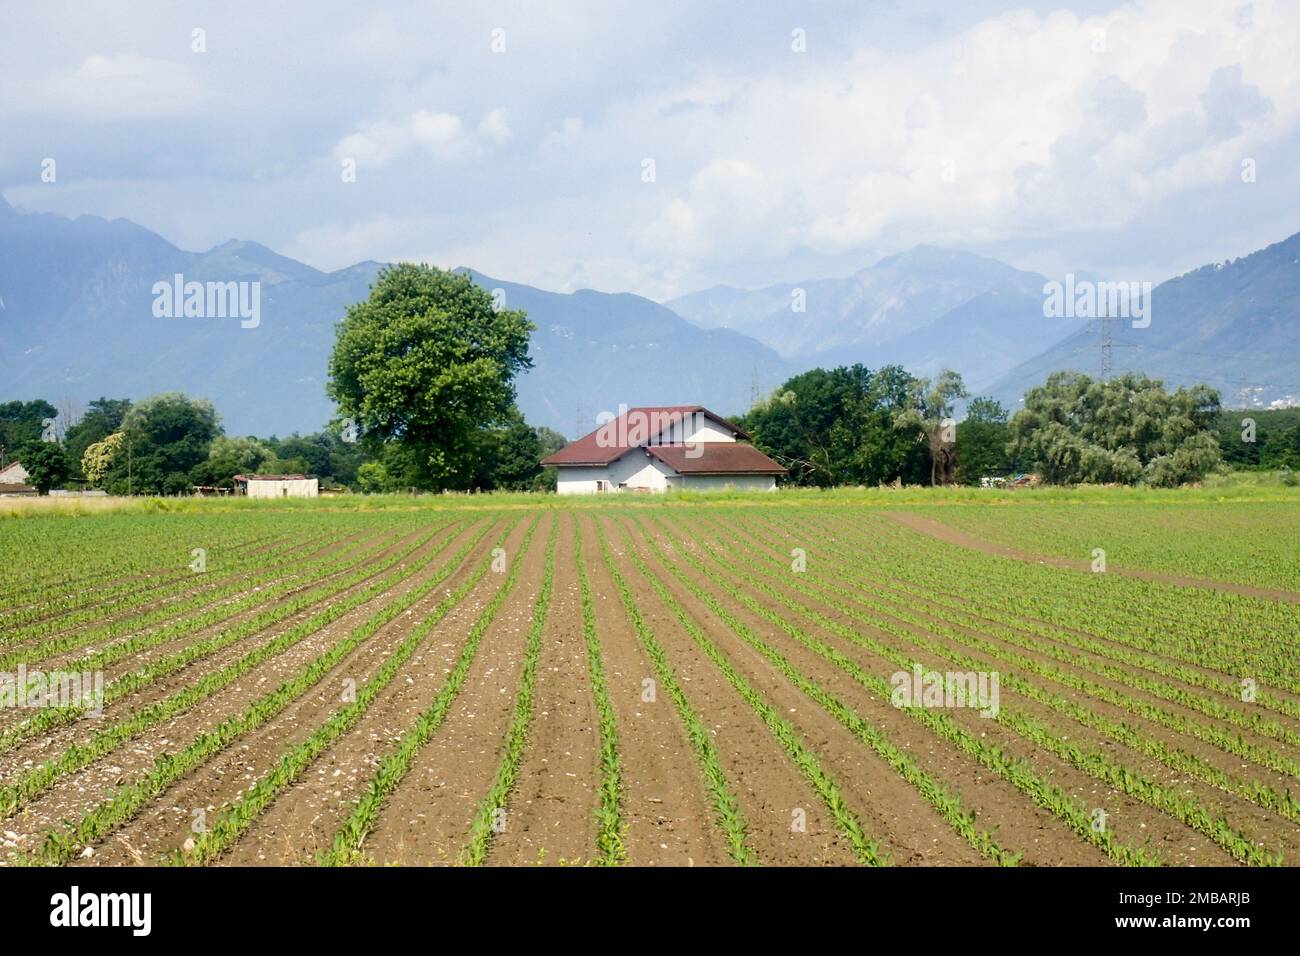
<point x="1233" y="325"/>
<point x="79" y="319"/>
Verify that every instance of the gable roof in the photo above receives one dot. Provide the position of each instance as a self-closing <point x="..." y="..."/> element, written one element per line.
<point x="635" y="428"/>
<point x="715" y="458"/>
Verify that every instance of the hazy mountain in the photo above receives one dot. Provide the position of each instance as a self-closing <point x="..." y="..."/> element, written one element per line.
<point x="981" y="339"/>
<point x="1234" y="325"/>
<point x="926" y="309"/>
<point x="77" y="321"/>
<point x="897" y="296"/>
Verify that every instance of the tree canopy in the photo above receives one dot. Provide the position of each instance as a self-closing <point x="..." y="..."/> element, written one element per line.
<point x="47" y="465"/>
<point x="103" y="417"/>
<point x="982" y="438"/>
<point x="164" y="437"/>
<point x="1125" y="430"/>
<point x="23" y="422"/>
<point x="429" y="362"/>
<point x="842" y="426"/>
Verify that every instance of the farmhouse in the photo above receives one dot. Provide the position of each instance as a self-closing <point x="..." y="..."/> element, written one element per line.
<point x="13" y="474"/>
<point x="660" y="448"/>
<point x="277" y="486"/>
<point x="13" y="481"/>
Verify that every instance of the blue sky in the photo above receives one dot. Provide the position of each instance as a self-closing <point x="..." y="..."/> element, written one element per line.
<point x="1104" y="137"/>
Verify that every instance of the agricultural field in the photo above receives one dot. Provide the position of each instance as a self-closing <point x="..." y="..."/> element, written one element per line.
<point x="795" y="679"/>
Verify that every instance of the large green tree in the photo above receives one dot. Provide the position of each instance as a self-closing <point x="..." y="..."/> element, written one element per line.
<point x="429" y="362"/>
<point x="47" y="465"/>
<point x="839" y="426"/>
<point x="1265" y="438"/>
<point x="1126" y="430"/>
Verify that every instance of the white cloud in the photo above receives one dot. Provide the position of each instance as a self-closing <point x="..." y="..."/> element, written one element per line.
<point x="494" y="128"/>
<point x="1063" y="134"/>
<point x="124" y="85"/>
<point x="441" y="135"/>
<point x="1023" y="124"/>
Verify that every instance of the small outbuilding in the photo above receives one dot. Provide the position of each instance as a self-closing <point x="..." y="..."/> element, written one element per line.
<point x="277" y="486"/>
<point x="13" y="474"/>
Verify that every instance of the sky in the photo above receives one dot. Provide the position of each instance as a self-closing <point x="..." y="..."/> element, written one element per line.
<point x="665" y="147"/>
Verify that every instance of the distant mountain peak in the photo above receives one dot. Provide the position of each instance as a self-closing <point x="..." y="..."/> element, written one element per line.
<point x="269" y="264"/>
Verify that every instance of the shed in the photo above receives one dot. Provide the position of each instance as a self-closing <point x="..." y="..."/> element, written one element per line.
<point x="277" y="486"/>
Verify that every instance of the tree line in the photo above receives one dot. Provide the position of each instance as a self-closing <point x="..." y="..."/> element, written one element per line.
<point x="423" y="374"/>
<point x="856" y="426"/>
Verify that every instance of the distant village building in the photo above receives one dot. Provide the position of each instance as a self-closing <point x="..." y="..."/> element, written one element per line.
<point x="277" y="486"/>
<point x="13" y="481"/>
<point x="661" y="448"/>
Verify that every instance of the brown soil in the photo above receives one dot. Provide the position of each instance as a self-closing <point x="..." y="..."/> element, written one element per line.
<point x="428" y="817"/>
<point x="551" y="814"/>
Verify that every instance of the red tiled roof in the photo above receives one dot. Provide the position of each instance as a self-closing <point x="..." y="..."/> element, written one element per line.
<point x="717" y="458"/>
<point x="634" y="428"/>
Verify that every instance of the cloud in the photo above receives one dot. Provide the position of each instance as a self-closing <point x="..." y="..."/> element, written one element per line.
<point x="124" y="86"/>
<point x="441" y="135"/>
<point x="1022" y="125"/>
<point x="1037" y="130"/>
<point x="729" y="205"/>
<point x="494" y="128"/>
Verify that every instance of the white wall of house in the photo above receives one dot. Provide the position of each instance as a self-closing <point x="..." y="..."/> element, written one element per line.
<point x="635" y="470"/>
<point x="13" y="474"/>
<point x="293" y="488"/>
<point x="693" y="428"/>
